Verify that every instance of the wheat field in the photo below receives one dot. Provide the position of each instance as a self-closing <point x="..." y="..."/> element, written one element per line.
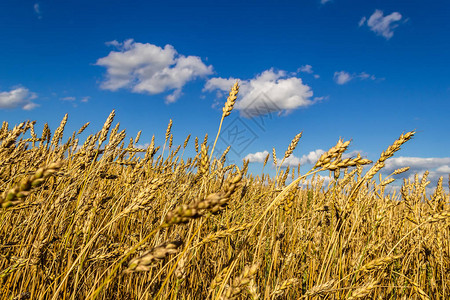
<point x="105" y="219"/>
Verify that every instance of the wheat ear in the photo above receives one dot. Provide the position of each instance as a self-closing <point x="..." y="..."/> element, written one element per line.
<point x="231" y="100"/>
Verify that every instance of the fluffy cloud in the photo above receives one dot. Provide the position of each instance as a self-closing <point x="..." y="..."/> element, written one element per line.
<point x="257" y="157"/>
<point x="344" y="77"/>
<point x="416" y="163"/>
<point x="382" y="25"/>
<point x="293" y="161"/>
<point x="268" y="92"/>
<point x="311" y="157"/>
<point x="437" y="167"/>
<point x="443" y="169"/>
<point x="18" y="97"/>
<point x="146" y="68"/>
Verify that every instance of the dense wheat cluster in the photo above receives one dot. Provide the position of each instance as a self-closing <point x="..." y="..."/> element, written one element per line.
<point x="108" y="220"/>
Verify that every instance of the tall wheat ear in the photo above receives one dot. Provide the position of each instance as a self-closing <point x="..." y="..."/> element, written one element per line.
<point x="290" y="149"/>
<point x="231" y="100"/>
<point x="167" y="136"/>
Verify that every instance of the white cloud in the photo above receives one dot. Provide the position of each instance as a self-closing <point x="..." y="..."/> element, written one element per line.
<point x="364" y="75"/>
<point x="37" y="10"/>
<point x="257" y="157"/>
<point x="311" y="157"/>
<point x="362" y="21"/>
<point x="68" y="99"/>
<point x="433" y="177"/>
<point x="30" y="106"/>
<point x="291" y="161"/>
<point x="221" y="84"/>
<point x="382" y="25"/>
<point x="18" y="97"/>
<point x="324" y="1"/>
<point x="174" y="96"/>
<point x="147" y="68"/>
<point x="268" y="92"/>
<point x="306" y="69"/>
<point x="143" y="146"/>
<point x="73" y="99"/>
<point x="342" y="77"/>
<point x="317" y="99"/>
<point x="437" y="167"/>
<point x="309" y="70"/>
<point x="416" y="163"/>
<point x="443" y="169"/>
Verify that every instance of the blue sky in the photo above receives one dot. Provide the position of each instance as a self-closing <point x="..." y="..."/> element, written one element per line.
<point x="361" y="70"/>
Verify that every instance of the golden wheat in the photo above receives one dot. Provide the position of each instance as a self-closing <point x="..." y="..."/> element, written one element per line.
<point x="109" y="220"/>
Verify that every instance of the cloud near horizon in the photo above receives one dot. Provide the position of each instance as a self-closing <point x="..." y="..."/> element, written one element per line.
<point x="417" y="163"/>
<point x="292" y="161"/>
<point x="147" y="68"/>
<point x="257" y="157"/>
<point x="437" y="167"/>
<point x="268" y="92"/>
